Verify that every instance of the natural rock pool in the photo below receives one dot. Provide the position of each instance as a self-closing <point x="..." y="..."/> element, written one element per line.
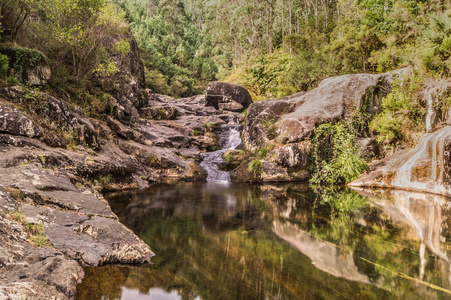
<point x="240" y="241"/>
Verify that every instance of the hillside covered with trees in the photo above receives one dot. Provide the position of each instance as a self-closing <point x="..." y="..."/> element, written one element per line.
<point x="275" y="48"/>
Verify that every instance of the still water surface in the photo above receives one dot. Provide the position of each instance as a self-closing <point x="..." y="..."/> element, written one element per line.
<point x="239" y="241"/>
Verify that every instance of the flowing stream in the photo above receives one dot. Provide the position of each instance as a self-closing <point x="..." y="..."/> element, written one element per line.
<point x="229" y="139"/>
<point x="285" y="241"/>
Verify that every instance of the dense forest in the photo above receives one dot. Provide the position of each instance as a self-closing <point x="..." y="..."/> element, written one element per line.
<point x="273" y="48"/>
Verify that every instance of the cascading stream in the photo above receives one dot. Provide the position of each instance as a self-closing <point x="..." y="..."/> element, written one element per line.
<point x="229" y="139"/>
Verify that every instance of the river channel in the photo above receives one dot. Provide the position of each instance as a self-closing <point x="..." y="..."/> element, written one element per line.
<point x="286" y="241"/>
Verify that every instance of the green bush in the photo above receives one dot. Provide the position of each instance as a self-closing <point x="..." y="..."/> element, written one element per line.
<point x="4" y="66"/>
<point x="262" y="153"/>
<point x="402" y="115"/>
<point x="106" y="180"/>
<point x="255" y="166"/>
<point x="122" y="48"/>
<point x="335" y="155"/>
<point x="22" y="58"/>
<point x="12" y="80"/>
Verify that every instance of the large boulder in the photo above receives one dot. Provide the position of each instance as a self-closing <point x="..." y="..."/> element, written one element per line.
<point x="54" y="112"/>
<point x="39" y="75"/>
<point x="292" y="156"/>
<point x="227" y="96"/>
<point x="16" y="123"/>
<point x="29" y="65"/>
<point x="427" y="168"/>
<point x="293" y="119"/>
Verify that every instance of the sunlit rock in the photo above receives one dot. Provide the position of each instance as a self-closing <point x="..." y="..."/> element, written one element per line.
<point x="427" y="168"/>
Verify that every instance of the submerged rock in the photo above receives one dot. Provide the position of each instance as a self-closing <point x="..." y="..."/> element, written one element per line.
<point x="427" y="168"/>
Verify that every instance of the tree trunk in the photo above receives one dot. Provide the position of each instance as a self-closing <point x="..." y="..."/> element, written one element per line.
<point x="290" y="4"/>
<point x="147" y="15"/>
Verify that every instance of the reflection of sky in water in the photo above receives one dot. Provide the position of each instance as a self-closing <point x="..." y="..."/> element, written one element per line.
<point x="154" y="294"/>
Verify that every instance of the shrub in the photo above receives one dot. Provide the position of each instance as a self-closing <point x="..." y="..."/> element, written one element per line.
<point x="122" y="48"/>
<point x="17" y="216"/>
<point x="335" y="155"/>
<point x="4" y="65"/>
<point x="228" y="158"/>
<point x="12" y="80"/>
<point x="262" y="153"/>
<point x="34" y="231"/>
<point x="153" y="161"/>
<point x="72" y="139"/>
<point x="106" y="69"/>
<point x="208" y="126"/>
<point x="17" y="194"/>
<point x="402" y="114"/>
<point x="255" y="166"/>
<point x="106" y="180"/>
<point x="21" y="58"/>
<point x="36" y="234"/>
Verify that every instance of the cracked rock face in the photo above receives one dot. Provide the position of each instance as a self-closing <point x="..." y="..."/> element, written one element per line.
<point x="33" y="273"/>
<point x="15" y="122"/>
<point x="80" y="227"/>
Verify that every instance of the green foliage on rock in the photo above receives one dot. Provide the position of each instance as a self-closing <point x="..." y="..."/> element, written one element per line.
<point x="255" y="166"/>
<point x="21" y="58"/>
<point x="335" y="156"/>
<point x="402" y="114"/>
<point x="4" y="66"/>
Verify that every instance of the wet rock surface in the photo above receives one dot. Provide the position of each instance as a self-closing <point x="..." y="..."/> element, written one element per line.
<point x="426" y="168"/>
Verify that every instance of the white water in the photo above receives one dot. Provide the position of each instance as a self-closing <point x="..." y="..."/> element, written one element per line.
<point x="229" y="139"/>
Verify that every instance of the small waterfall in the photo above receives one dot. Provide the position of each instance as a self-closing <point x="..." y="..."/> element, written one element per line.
<point x="229" y="139"/>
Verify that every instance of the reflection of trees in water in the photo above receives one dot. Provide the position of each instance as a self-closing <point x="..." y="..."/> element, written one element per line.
<point x="391" y="251"/>
<point x="219" y="243"/>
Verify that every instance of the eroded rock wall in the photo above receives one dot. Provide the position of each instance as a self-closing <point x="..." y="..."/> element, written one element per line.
<point x="285" y="125"/>
<point x="426" y="168"/>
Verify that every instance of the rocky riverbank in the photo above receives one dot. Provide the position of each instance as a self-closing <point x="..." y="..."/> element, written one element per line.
<point x="54" y="160"/>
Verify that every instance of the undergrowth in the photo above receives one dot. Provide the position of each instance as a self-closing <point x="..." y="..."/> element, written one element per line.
<point x="34" y="231"/>
<point x="402" y="114"/>
<point x="335" y="155"/>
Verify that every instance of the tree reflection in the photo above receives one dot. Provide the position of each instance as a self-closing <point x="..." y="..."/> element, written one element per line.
<point x="277" y="242"/>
